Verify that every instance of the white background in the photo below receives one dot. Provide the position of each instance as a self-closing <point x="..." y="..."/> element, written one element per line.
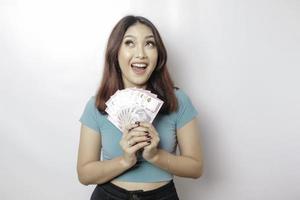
<point x="238" y="60"/>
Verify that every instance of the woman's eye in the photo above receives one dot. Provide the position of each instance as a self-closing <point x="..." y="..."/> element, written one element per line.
<point x="151" y="44"/>
<point x="129" y="43"/>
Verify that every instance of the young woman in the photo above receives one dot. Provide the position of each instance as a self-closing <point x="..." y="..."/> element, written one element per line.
<point x="136" y="57"/>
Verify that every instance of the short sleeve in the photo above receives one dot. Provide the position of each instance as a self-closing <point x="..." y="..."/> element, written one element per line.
<point x="186" y="111"/>
<point x="89" y="116"/>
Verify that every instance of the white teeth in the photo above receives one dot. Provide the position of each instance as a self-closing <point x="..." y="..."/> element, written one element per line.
<point x="139" y="65"/>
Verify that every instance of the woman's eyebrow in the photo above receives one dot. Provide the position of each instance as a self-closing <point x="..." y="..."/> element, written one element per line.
<point x="129" y="36"/>
<point x="148" y="36"/>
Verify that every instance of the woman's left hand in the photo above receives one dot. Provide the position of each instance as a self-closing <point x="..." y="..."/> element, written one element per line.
<point x="150" y="150"/>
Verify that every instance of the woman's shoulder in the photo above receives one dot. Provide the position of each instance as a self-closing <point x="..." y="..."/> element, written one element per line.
<point x="186" y="110"/>
<point x="93" y="99"/>
<point x="92" y="104"/>
<point x="180" y="93"/>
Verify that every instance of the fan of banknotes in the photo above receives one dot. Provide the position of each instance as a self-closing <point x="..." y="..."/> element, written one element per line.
<point x="130" y="105"/>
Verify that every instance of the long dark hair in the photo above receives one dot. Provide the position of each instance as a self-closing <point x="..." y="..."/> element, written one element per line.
<point x="159" y="82"/>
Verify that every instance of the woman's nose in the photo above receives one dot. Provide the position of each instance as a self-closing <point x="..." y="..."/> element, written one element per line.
<point x="140" y="53"/>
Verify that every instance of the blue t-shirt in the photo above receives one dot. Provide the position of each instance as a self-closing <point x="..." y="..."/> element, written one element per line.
<point x="166" y="126"/>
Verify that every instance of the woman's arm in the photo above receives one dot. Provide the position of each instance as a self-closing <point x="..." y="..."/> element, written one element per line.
<point x="90" y="169"/>
<point x="190" y="161"/>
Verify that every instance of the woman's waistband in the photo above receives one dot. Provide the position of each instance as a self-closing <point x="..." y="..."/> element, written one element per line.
<point x="114" y="189"/>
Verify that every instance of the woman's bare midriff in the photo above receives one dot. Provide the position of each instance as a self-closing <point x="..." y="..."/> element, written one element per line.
<point x="138" y="186"/>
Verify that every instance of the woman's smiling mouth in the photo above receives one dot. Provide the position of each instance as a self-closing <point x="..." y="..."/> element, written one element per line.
<point x="139" y="68"/>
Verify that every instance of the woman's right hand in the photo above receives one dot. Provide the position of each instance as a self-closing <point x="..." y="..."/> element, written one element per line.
<point x="131" y="142"/>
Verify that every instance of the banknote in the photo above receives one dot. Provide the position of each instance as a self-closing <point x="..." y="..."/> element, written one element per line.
<point x="130" y="105"/>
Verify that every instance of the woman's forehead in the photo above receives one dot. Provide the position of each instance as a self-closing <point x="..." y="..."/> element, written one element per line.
<point x="138" y="30"/>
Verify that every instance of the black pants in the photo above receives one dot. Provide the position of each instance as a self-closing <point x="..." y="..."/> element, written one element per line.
<point x="110" y="191"/>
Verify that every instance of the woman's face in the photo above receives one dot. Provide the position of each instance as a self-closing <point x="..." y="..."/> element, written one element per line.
<point x="137" y="55"/>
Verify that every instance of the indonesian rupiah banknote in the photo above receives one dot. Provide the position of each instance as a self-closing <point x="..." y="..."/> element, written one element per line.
<point x="130" y="105"/>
